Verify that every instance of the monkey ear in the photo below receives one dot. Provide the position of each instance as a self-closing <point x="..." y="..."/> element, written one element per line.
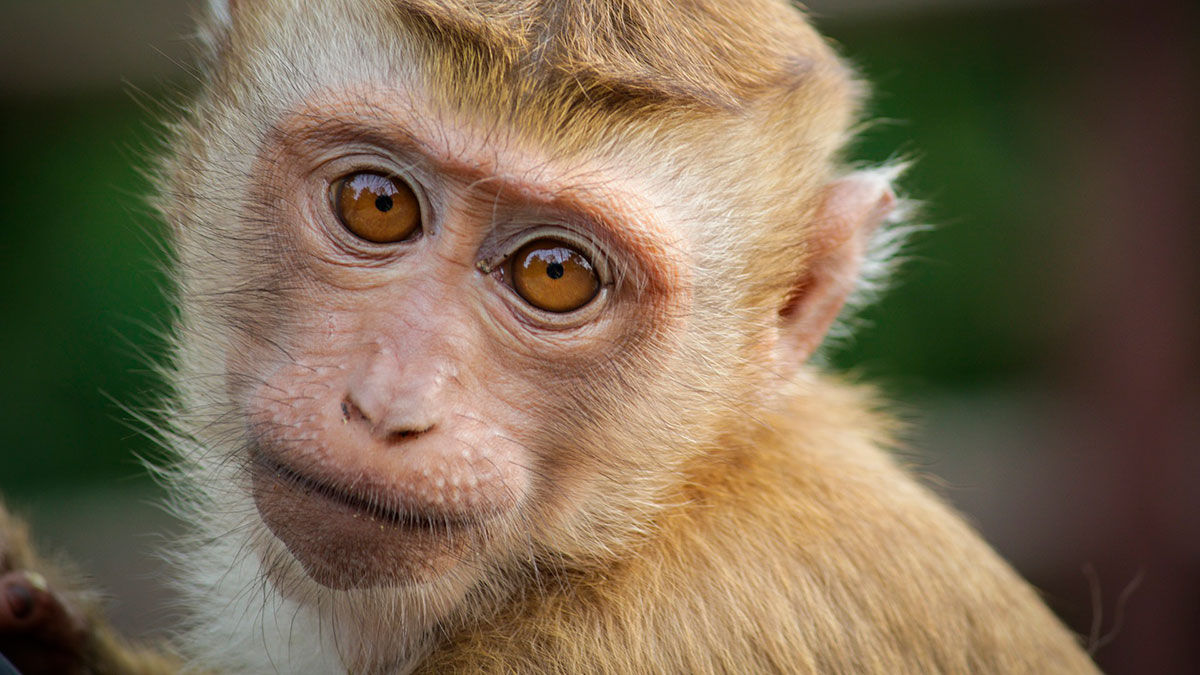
<point x="850" y="212"/>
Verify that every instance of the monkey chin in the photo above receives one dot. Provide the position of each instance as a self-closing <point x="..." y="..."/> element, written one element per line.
<point x="343" y="541"/>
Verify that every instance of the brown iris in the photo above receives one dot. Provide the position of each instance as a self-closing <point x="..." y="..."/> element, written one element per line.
<point x="376" y="207"/>
<point x="554" y="276"/>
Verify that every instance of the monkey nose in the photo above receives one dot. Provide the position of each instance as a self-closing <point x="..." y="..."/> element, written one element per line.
<point x="384" y="424"/>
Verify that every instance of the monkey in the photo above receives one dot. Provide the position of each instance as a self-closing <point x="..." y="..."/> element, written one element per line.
<point x="494" y="353"/>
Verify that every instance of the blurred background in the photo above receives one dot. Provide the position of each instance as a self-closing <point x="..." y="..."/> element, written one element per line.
<point x="1042" y="341"/>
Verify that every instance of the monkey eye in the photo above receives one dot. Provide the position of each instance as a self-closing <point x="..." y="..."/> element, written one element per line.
<point x="553" y="275"/>
<point x="376" y="207"/>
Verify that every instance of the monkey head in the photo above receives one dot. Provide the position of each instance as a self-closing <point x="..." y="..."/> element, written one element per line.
<point x="464" y="295"/>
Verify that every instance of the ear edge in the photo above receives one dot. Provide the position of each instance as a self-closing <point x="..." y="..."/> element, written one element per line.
<point x="853" y="228"/>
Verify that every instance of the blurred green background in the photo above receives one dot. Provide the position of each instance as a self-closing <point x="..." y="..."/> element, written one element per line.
<point x="1058" y="225"/>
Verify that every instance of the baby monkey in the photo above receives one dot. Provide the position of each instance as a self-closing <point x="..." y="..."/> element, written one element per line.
<point x="492" y="357"/>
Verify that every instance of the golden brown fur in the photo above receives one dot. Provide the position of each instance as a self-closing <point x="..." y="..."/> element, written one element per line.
<point x="802" y="549"/>
<point x="700" y="500"/>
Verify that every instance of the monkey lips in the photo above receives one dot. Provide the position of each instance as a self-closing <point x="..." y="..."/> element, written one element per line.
<point x="345" y="539"/>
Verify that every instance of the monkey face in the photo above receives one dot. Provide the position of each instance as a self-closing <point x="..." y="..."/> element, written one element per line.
<point x="464" y="319"/>
<point x="435" y="339"/>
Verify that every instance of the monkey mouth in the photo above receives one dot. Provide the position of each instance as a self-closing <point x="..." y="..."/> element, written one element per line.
<point x="375" y="511"/>
<point x="346" y="540"/>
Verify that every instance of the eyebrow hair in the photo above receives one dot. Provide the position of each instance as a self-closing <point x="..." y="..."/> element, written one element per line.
<point x="643" y="243"/>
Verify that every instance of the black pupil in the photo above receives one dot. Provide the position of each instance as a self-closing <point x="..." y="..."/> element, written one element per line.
<point x="554" y="270"/>
<point x="383" y="203"/>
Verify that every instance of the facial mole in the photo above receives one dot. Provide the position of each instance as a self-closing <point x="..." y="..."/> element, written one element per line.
<point x="383" y="203"/>
<point x="554" y="270"/>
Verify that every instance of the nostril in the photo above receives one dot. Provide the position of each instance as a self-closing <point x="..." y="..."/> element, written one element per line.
<point x="352" y="413"/>
<point x="407" y="434"/>
<point x="389" y="427"/>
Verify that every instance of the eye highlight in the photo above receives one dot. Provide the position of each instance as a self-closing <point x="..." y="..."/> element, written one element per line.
<point x="553" y="275"/>
<point x="375" y="207"/>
